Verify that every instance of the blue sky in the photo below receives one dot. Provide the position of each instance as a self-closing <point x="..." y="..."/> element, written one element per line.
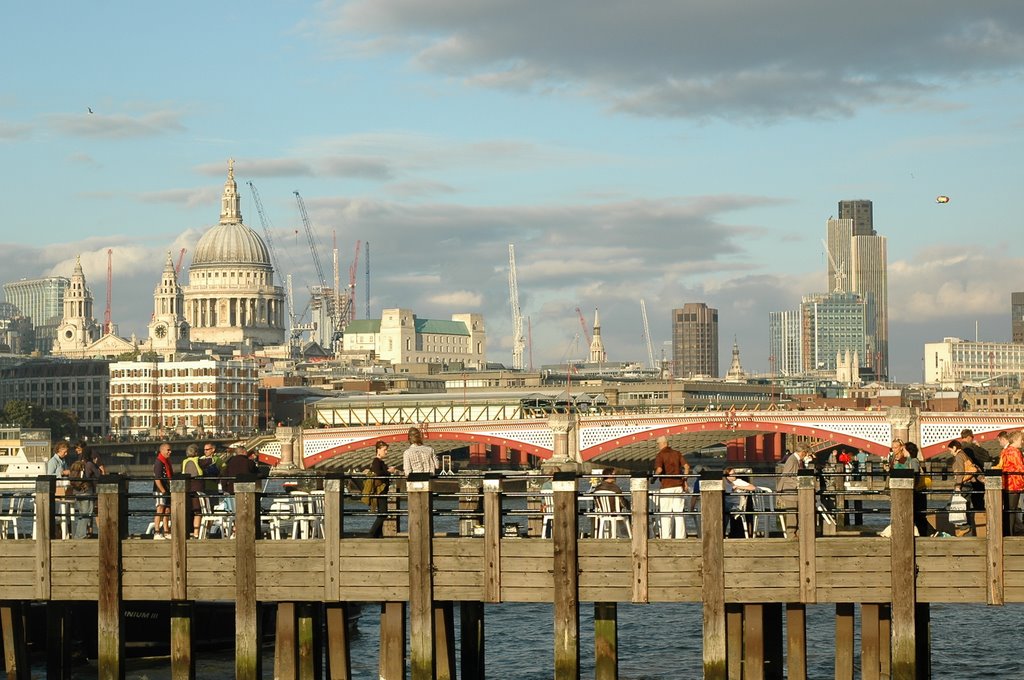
<point x="668" y="150"/>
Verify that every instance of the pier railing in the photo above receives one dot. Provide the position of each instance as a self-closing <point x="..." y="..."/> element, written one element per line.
<point x="741" y="583"/>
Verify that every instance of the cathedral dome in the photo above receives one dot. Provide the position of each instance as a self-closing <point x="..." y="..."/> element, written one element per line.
<point x="231" y="243"/>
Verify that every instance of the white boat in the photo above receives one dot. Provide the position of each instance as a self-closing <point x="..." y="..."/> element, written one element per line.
<point x="23" y="455"/>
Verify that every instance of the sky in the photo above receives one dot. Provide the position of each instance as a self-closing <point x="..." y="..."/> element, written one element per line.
<point x="669" y="151"/>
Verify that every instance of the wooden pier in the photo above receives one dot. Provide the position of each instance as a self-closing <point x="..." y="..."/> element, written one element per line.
<point x="745" y="585"/>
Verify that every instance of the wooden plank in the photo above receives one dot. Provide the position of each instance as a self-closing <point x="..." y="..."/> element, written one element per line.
<point x="734" y="641"/>
<point x="285" y="642"/>
<point x="606" y="641"/>
<point x="365" y="547"/>
<point x="183" y="663"/>
<point x="444" y="640"/>
<point x="248" y="660"/>
<point x="565" y="563"/>
<point x="806" y="543"/>
<point x="180" y="530"/>
<point x="492" y="539"/>
<point x="392" y="640"/>
<point x="796" y="641"/>
<point x="111" y="501"/>
<point x="339" y="658"/>
<point x="334" y="528"/>
<point x="421" y="593"/>
<point x="640" y="494"/>
<point x="844" y="641"/>
<point x="869" y="642"/>
<point x="518" y="548"/>
<point x="45" y="487"/>
<point x="15" y="646"/>
<point x="459" y="548"/>
<point x="713" y="585"/>
<point x="753" y="642"/>
<point x="901" y="487"/>
<point x="994" y="537"/>
<point x="674" y="548"/>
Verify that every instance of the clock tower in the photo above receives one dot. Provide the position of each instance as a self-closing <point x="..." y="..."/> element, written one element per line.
<point x="168" y="331"/>
<point x="78" y="328"/>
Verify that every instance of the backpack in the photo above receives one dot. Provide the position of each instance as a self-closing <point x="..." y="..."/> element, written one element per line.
<point x="76" y="473"/>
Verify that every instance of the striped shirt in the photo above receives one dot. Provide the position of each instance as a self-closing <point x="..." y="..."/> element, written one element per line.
<point x="419" y="458"/>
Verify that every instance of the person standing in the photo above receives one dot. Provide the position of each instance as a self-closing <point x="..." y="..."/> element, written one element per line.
<point x="192" y="466"/>
<point x="670" y="466"/>
<point x="785" y="489"/>
<point x="418" y="457"/>
<point x="57" y="465"/>
<point x="379" y="482"/>
<point x="1011" y="463"/>
<point x="83" y="473"/>
<point x="210" y="464"/>
<point x="240" y="463"/>
<point x="162" y="473"/>
<point x="976" y="453"/>
<point x="920" y="498"/>
<point x="967" y="480"/>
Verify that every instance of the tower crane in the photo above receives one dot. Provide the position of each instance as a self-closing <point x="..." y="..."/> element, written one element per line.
<point x="647" y="335"/>
<point x="265" y="221"/>
<point x="181" y="261"/>
<point x="352" y="271"/>
<point x="840" y="276"/>
<point x="312" y="241"/>
<point x="583" y="325"/>
<point x="518" y="344"/>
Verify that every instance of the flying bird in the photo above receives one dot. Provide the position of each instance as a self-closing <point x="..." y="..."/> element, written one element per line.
<point x="90" y="109"/>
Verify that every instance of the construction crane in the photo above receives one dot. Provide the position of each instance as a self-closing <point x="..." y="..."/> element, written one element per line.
<point x="518" y="344"/>
<point x="583" y="325"/>
<point x="367" y="265"/>
<point x="840" y="276"/>
<point x="181" y="261"/>
<point x="352" y="271"/>
<point x="312" y="241"/>
<point x="647" y="336"/>
<point x="322" y="293"/>
<point x="265" y="221"/>
<point x="107" y="323"/>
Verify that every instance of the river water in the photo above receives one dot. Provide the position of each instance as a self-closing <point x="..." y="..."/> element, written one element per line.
<point x="656" y="641"/>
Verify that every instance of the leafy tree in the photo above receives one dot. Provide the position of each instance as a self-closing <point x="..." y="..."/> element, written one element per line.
<point x="127" y="356"/>
<point x="19" y="412"/>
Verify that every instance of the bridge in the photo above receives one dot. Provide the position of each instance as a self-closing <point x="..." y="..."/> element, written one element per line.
<point x="627" y="437"/>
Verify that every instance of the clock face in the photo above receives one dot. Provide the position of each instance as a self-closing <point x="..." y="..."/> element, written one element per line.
<point x="160" y="331"/>
<point x="69" y="334"/>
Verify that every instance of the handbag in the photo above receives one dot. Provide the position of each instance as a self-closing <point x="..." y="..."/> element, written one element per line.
<point x="958" y="509"/>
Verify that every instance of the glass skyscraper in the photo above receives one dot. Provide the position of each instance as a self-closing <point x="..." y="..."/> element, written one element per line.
<point x="42" y="300"/>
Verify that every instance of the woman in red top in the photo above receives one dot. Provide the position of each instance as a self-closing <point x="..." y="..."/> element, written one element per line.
<point x="1011" y="462"/>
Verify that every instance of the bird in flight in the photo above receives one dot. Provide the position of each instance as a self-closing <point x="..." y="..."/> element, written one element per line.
<point x="90" y="109"/>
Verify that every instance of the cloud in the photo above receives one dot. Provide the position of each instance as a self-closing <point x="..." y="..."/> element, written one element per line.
<point x="82" y="159"/>
<point x="190" y="198"/>
<point x="693" y="59"/>
<point x="10" y="132"/>
<point x="458" y="300"/>
<point x="419" y="188"/>
<point x="117" y="126"/>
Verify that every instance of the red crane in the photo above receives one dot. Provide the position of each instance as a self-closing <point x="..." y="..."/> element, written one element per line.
<point x="181" y="259"/>
<point x="583" y="325"/>
<point x="107" y="325"/>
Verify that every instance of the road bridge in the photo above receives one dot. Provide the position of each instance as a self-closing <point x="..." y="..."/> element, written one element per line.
<point x="626" y="437"/>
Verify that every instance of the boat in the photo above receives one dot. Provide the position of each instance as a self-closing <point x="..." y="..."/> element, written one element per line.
<point x="23" y="455"/>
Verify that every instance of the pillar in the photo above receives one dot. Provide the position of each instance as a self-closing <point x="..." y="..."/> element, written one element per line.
<point x="904" y="595"/>
<point x="713" y="574"/>
<point x="566" y="577"/>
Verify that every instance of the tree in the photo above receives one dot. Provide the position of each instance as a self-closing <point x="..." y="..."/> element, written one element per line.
<point x="19" y="412"/>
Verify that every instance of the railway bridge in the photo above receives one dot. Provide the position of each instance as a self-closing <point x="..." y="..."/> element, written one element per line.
<point x="623" y="437"/>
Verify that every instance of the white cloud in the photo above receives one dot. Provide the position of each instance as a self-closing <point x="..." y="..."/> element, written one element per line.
<point x="117" y="126"/>
<point x="459" y="299"/>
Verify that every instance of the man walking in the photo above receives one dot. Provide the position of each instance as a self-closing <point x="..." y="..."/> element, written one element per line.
<point x="162" y="473"/>
<point x="670" y="465"/>
<point x="418" y="457"/>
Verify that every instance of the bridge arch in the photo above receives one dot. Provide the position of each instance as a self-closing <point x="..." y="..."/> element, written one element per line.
<point x="436" y="437"/>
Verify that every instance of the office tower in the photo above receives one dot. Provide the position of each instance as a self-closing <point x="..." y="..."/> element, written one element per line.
<point x="695" y="341"/>
<point x="858" y="263"/>
<point x="42" y="300"/>
<point x="861" y="213"/>
<point x="1017" y="316"/>
<point x="831" y="325"/>
<point x="784" y="342"/>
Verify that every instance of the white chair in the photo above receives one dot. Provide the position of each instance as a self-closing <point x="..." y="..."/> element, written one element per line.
<point x="308" y="514"/>
<point x="609" y="513"/>
<point x="281" y="513"/>
<point x="547" y="506"/>
<point x="10" y="513"/>
<point x="208" y="517"/>
<point x="765" y="512"/>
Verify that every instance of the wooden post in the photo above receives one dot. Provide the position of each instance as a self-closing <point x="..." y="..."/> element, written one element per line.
<point x="392" y="641"/>
<point x="870" y="643"/>
<point x="753" y="642"/>
<point x="183" y="665"/>
<point x="639" y="488"/>
<point x="471" y="620"/>
<point x="444" y="640"/>
<point x="713" y="573"/>
<point x="248" y="659"/>
<point x="807" y="527"/>
<point x="492" y="537"/>
<point x="606" y="641"/>
<point x="796" y="641"/>
<point x="421" y="578"/>
<point x="774" y="665"/>
<point x="111" y="507"/>
<point x="994" y="537"/>
<point x="564" y="534"/>
<point x="58" y="640"/>
<point x="339" y="659"/>
<point x="286" y="664"/>
<point x="12" y="621"/>
<point x="45" y="487"/>
<point x="904" y="653"/>
<point x="844" y="640"/>
<point x="734" y="640"/>
<point x="307" y="622"/>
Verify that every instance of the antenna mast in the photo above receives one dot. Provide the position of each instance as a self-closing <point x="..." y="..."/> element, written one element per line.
<point x="518" y="344"/>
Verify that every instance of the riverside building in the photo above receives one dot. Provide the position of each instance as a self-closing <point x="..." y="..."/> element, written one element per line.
<point x="400" y="337"/>
<point x="42" y="300"/>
